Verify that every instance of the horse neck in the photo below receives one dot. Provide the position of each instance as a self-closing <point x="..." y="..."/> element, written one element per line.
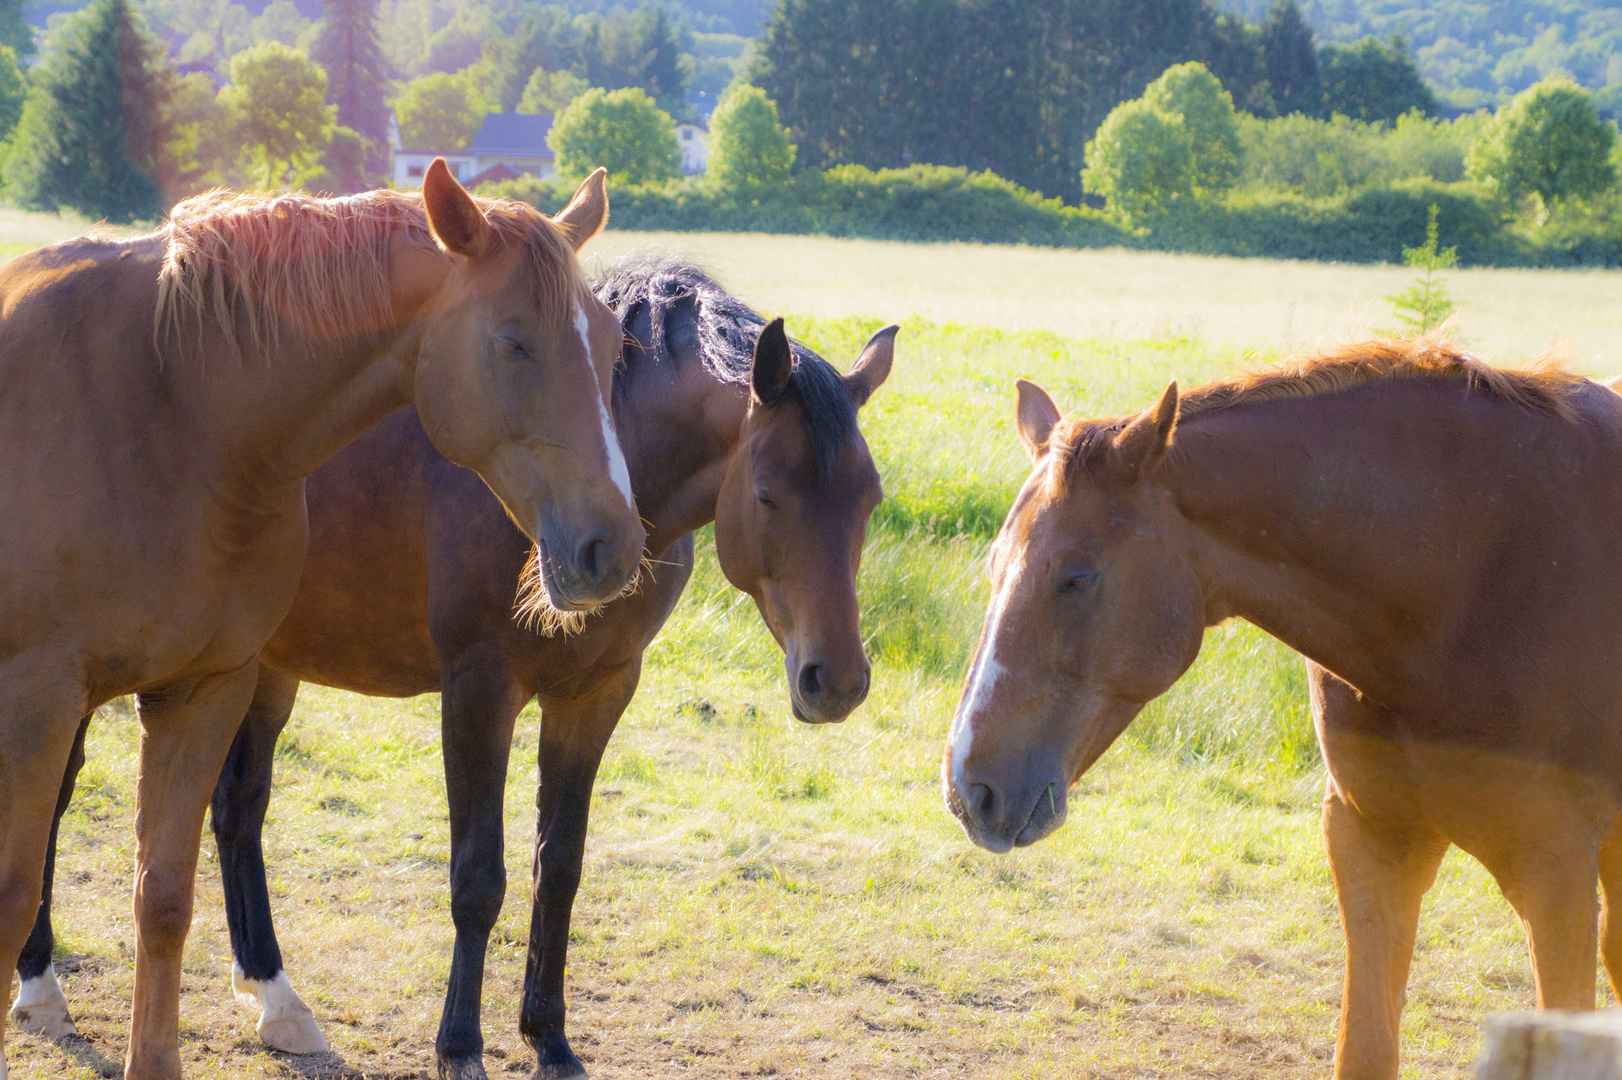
<point x="1324" y="523"/>
<point x="292" y="404"/>
<point x="679" y="427"/>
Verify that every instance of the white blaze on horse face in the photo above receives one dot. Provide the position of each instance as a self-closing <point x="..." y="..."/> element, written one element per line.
<point x="616" y="458"/>
<point x="983" y="676"/>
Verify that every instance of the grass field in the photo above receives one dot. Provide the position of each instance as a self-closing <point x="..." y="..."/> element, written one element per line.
<point x="763" y="898"/>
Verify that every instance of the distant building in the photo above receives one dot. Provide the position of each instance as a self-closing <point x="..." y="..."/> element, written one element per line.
<point x="700" y="104"/>
<point x="694" y="140"/>
<point x="508" y="145"/>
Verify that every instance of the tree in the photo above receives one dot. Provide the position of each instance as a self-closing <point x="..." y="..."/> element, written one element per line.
<point x="551" y="91"/>
<point x="1373" y="80"/>
<point x="346" y="166"/>
<point x="202" y="149"/>
<point x="747" y="145"/>
<point x="1548" y="142"/>
<point x="640" y="49"/>
<point x="621" y="130"/>
<point x="277" y="101"/>
<point x="13" y="91"/>
<point x="1141" y="160"/>
<point x="1291" y="60"/>
<point x="15" y="33"/>
<point x="1425" y="305"/>
<point x="439" y="112"/>
<point x="350" y="50"/>
<point x="1191" y="92"/>
<point x="92" y="130"/>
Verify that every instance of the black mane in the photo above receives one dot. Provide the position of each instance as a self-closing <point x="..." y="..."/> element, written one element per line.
<point x="670" y="289"/>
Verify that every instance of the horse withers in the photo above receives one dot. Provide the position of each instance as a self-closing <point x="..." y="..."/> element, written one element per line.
<point x="1437" y="536"/>
<point x="164" y="398"/>
<point x="409" y="588"/>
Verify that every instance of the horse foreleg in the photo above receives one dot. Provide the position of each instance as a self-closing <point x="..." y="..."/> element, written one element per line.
<point x="573" y="736"/>
<point x="1381" y="873"/>
<point x="1548" y="876"/>
<point x="186" y="731"/>
<point x="241" y="797"/>
<point x="39" y="712"/>
<point x="479" y="704"/>
<point x="41" y="1006"/>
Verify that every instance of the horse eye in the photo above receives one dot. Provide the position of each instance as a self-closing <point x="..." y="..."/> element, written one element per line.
<point x="1078" y="581"/>
<point x="517" y="350"/>
<point x="764" y="499"/>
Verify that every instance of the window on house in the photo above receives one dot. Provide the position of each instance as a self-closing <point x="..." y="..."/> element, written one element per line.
<point x="687" y="136"/>
<point x="414" y="171"/>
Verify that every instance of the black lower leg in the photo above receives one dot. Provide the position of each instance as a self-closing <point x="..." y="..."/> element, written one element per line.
<point x="36" y="955"/>
<point x="573" y="738"/>
<point x="479" y="704"/>
<point x="241" y="797"/>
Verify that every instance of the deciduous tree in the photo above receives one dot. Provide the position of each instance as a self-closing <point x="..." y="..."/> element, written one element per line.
<point x="1548" y="142"/>
<point x="1373" y="80"/>
<point x="622" y="130"/>
<point x="277" y="102"/>
<point x="748" y="147"/>
<point x="1191" y="92"/>
<point x="551" y="91"/>
<point x="1141" y="160"/>
<point x="440" y="112"/>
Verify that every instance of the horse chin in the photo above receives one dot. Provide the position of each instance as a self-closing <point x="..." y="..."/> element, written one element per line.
<point x="1052" y="807"/>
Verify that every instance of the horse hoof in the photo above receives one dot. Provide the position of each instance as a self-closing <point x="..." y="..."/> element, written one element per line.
<point x="42" y="1008"/>
<point x="292" y="1033"/>
<point x="556" y="1061"/>
<point x="285" y="1022"/>
<point x="462" y="1068"/>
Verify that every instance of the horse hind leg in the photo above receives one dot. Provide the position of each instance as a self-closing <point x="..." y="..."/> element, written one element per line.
<point x="41" y="1007"/>
<point x="241" y="796"/>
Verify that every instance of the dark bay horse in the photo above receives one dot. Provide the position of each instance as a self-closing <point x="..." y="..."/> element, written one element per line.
<point x="163" y="399"/>
<point x="1441" y="540"/>
<point x="409" y="589"/>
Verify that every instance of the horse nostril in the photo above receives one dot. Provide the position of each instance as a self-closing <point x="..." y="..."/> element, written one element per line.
<point x="811" y="681"/>
<point x="982" y="800"/>
<point x="592" y="555"/>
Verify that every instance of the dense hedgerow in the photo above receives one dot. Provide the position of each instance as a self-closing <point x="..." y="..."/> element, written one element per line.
<point x="935" y="203"/>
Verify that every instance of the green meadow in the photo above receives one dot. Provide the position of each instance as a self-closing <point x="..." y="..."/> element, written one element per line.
<point x="764" y="898"/>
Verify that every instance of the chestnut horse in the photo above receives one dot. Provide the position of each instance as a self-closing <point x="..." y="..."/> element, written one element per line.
<point x="164" y="399"/>
<point x="1438" y="537"/>
<point x="408" y="589"/>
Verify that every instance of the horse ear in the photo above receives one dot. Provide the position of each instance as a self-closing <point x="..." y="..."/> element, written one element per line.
<point x="587" y="212"/>
<point x="872" y="366"/>
<point x="1036" y="416"/>
<point x="768" y="374"/>
<point x="1140" y="445"/>
<point x="456" y="220"/>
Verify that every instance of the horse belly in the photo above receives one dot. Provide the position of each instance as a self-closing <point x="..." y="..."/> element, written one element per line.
<point x="359" y="620"/>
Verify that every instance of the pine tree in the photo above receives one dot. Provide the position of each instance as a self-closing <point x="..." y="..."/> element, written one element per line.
<point x="93" y="130"/>
<point x="351" y="51"/>
<point x="1292" y="61"/>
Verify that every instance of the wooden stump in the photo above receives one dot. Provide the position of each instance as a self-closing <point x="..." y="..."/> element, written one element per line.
<point x="1551" y="1046"/>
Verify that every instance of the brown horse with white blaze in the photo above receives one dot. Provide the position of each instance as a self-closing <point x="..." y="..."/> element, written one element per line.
<point x="1438" y="537"/>
<point x="165" y="398"/>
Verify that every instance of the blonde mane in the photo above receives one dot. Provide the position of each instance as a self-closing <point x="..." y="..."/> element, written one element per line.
<point x="1543" y="386"/>
<point x="248" y="264"/>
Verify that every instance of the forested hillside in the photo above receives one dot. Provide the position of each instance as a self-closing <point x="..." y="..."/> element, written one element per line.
<point x="1479" y="52"/>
